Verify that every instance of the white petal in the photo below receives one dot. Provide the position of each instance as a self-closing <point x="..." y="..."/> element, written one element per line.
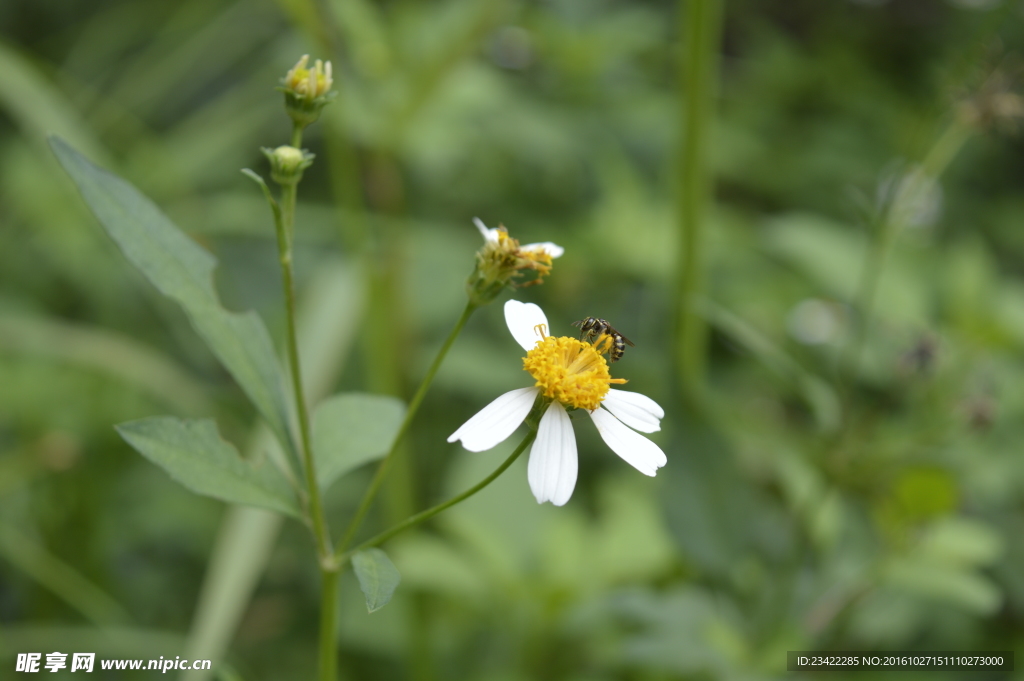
<point x="523" y="320"/>
<point x="635" y="410"/>
<point x="495" y="422"/>
<point x="635" y="449"/>
<point x="488" y="234"/>
<point x="554" y="250"/>
<point x="553" y="464"/>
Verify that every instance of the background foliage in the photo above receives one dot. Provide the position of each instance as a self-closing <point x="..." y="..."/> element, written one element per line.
<point x="849" y="485"/>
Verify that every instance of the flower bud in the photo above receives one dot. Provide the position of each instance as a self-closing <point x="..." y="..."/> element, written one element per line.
<point x="995" y="103"/>
<point x="502" y="260"/>
<point x="307" y="90"/>
<point x="287" y="163"/>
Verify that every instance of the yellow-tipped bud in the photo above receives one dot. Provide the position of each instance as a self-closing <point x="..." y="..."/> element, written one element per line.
<point x="995" y="103"/>
<point x="307" y="90"/>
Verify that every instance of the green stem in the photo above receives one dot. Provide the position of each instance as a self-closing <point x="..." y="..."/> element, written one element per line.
<point x="328" y="622"/>
<point x="701" y="26"/>
<point x="284" y="243"/>
<point x="328" y="568"/>
<point x="414" y="405"/>
<point x="945" y="149"/>
<point x="431" y="512"/>
<point x="907" y="189"/>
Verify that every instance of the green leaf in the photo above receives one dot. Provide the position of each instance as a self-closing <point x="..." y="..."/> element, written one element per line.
<point x="967" y="589"/>
<point x="351" y="429"/>
<point x="183" y="270"/>
<point x="961" y="541"/>
<point x="377" y="577"/>
<point x="195" y="455"/>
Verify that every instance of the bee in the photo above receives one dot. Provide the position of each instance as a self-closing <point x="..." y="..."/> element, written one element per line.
<point x="594" y="328"/>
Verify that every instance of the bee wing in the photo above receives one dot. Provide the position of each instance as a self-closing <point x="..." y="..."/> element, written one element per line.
<point x="626" y="341"/>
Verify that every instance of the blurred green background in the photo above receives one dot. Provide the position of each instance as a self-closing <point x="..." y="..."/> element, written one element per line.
<point x="851" y="479"/>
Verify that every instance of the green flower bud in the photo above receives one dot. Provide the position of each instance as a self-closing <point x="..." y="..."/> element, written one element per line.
<point x="287" y="163"/>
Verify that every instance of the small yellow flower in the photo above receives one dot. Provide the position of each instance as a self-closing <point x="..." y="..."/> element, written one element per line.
<point x="502" y="259"/>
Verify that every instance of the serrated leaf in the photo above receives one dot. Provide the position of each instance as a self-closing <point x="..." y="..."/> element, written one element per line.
<point x="378" y="577"/>
<point x="194" y="454"/>
<point x="183" y="270"/>
<point x="351" y="429"/>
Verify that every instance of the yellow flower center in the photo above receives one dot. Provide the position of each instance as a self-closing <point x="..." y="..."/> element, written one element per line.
<point x="570" y="370"/>
<point x="309" y="82"/>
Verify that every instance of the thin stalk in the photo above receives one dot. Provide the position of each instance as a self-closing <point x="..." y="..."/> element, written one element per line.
<point x="414" y="405"/>
<point x="907" y="190"/>
<point x="698" y="71"/>
<point x="946" y="148"/>
<point x="328" y="569"/>
<point x="431" y="512"/>
<point x="285" y="229"/>
<point x="328" y="622"/>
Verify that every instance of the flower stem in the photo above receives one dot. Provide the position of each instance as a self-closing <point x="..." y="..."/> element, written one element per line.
<point x="328" y="622"/>
<point x="414" y="405"/>
<point x="431" y="512"/>
<point x="285" y="229"/>
<point x="285" y="224"/>
<point x="701" y="28"/>
<point x="907" y="190"/>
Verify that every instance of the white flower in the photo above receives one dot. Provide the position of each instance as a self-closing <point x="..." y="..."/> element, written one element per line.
<point x="570" y="373"/>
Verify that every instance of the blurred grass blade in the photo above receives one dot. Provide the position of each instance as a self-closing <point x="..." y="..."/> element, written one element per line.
<point x="195" y="455"/>
<point x="471" y="21"/>
<point x="112" y="353"/>
<point x="329" y="315"/>
<point x="60" y="578"/>
<point x="197" y="44"/>
<point x="125" y="642"/>
<point x="817" y="393"/>
<point x="244" y="544"/>
<point x="378" y="577"/>
<point x="305" y="15"/>
<point x="364" y="32"/>
<point x="38" y="107"/>
<point x="352" y="429"/>
<point x="183" y="270"/>
<point x="226" y="673"/>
